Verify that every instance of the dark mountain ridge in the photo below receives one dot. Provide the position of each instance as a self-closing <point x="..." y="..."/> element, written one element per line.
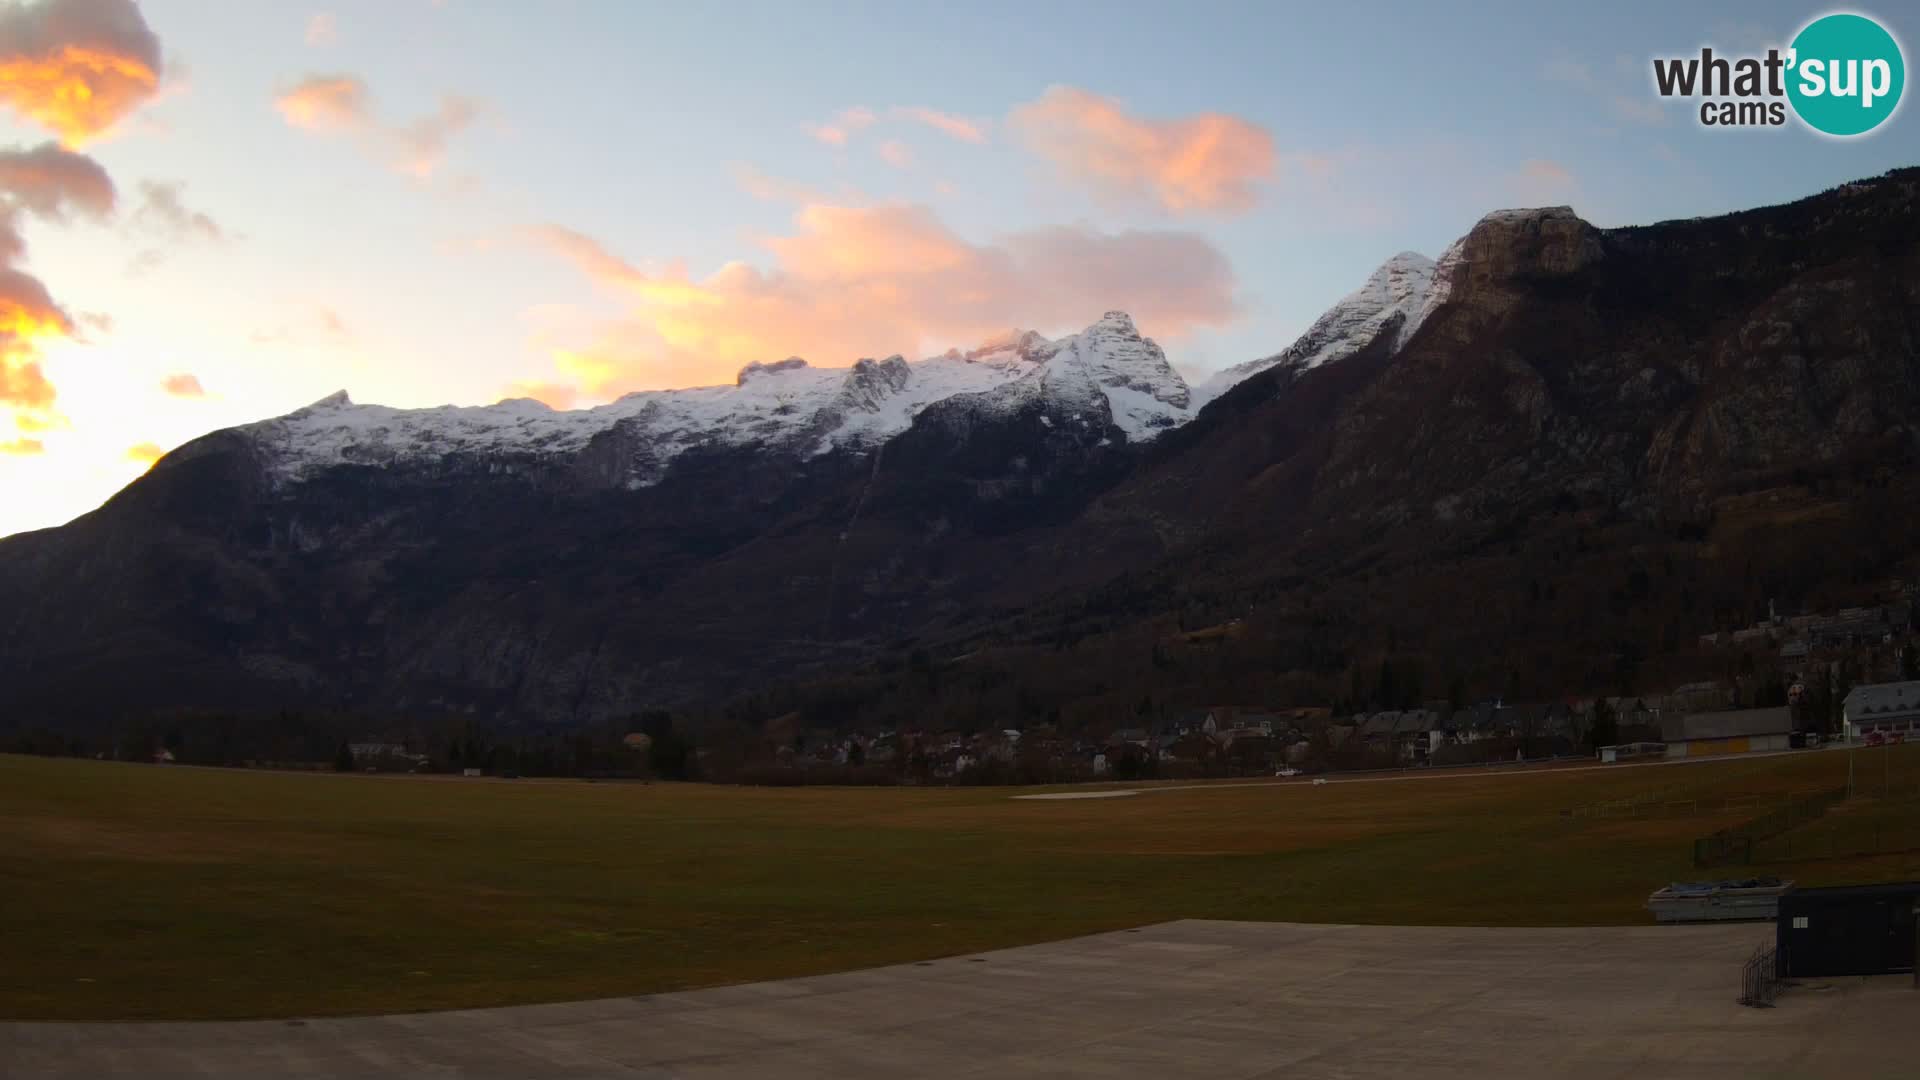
<point x="1576" y="405"/>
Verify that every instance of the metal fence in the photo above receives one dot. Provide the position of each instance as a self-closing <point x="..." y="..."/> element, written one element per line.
<point x="1876" y="838"/>
<point x="1760" y="978"/>
<point x="1735" y="843"/>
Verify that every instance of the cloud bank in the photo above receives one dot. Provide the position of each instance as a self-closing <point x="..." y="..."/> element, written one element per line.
<point x="53" y="184"/>
<point x="342" y="104"/>
<point x="867" y="281"/>
<point x="1207" y="162"/>
<point x="958" y="127"/>
<point x="76" y="67"/>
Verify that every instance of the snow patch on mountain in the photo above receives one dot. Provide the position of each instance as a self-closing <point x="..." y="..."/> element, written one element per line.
<point x="1107" y="373"/>
<point x="1401" y="286"/>
<point x="1108" y="369"/>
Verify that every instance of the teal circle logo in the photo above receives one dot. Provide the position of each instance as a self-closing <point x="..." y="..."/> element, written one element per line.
<point x="1845" y="74"/>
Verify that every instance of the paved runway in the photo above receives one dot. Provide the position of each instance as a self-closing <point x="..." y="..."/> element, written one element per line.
<point x="1192" y="998"/>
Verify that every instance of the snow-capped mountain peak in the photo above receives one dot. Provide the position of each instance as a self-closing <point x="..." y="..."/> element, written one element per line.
<point x="1125" y="359"/>
<point x="336" y="400"/>
<point x="869" y="383"/>
<point x="1107" y="372"/>
<point x="1400" y="288"/>
<point x="785" y="403"/>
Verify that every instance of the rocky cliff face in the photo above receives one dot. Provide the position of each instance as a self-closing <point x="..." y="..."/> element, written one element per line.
<point x="1595" y="440"/>
<point x="1648" y="367"/>
<point x="1452" y="423"/>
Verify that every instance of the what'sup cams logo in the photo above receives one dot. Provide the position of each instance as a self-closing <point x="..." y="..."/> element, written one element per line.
<point x="1842" y="76"/>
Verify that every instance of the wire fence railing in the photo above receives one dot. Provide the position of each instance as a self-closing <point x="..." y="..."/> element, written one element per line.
<point x="1735" y="843"/>
<point x="1760" y="978"/>
<point x="1864" y="839"/>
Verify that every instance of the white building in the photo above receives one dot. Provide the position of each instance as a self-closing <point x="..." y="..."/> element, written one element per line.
<point x="1887" y="708"/>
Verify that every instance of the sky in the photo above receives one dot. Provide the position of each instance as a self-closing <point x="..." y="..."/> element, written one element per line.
<point x="217" y="211"/>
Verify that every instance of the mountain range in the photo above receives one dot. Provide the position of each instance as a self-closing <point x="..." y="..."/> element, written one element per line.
<point x="1546" y="457"/>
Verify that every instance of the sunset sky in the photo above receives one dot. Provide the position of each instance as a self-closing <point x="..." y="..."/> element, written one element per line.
<point x="215" y="211"/>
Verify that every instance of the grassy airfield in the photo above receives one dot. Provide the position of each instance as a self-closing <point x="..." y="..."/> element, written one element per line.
<point x="140" y="892"/>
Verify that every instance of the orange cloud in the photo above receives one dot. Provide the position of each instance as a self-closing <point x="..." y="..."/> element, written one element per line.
<point x="324" y="103"/>
<point x="958" y="127"/>
<point x="586" y="253"/>
<point x="28" y="316"/>
<point x="868" y="281"/>
<point x="49" y="180"/>
<point x="23" y="447"/>
<point x="183" y="385"/>
<point x="330" y="104"/>
<point x="33" y="424"/>
<point x="77" y="67"/>
<point x="51" y="183"/>
<point x="146" y="453"/>
<point x="27" y="312"/>
<point x="835" y="132"/>
<point x="1205" y="162"/>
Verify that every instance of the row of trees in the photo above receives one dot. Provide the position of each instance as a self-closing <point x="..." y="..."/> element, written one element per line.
<point x="649" y="744"/>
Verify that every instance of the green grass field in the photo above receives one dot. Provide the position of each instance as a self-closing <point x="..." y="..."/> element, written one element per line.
<point x="131" y="891"/>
